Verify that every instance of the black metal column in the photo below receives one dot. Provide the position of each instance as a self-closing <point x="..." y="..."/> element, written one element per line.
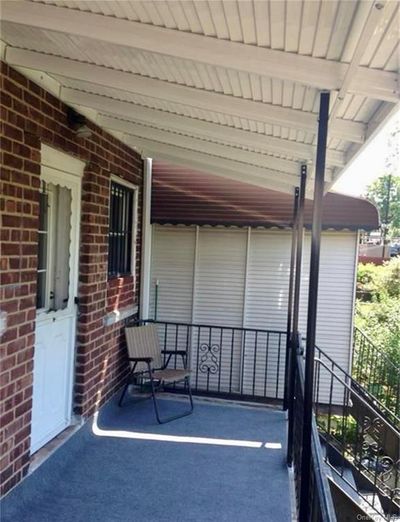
<point x="290" y="296"/>
<point x="312" y="305"/>
<point x="295" y="319"/>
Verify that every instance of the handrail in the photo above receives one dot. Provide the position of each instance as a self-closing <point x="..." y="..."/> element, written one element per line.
<point x="353" y="392"/>
<point x="199" y="325"/>
<point x="327" y="510"/>
<point x="228" y="361"/>
<point x="388" y="413"/>
<point x="371" y="366"/>
<point x="381" y="353"/>
<point x="373" y="452"/>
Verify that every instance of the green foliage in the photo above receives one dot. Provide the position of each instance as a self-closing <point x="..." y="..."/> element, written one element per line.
<point x="385" y="194"/>
<point x="380" y="321"/>
<point x="378" y="317"/>
<point x="391" y="277"/>
<point x="368" y="281"/>
<point x="343" y="429"/>
<point x="379" y="283"/>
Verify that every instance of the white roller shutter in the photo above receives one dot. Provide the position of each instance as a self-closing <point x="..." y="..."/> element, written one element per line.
<point x="219" y="300"/>
<point x="266" y="309"/>
<point x="233" y="283"/>
<point x="335" y="293"/>
<point x="172" y="266"/>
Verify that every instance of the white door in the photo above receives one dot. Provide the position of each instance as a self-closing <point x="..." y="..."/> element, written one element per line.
<point x="56" y="292"/>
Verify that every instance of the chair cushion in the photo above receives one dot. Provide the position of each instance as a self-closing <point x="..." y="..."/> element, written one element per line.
<point x="170" y="375"/>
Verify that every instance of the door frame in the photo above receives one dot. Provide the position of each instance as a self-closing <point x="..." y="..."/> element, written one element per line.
<point x="62" y="169"/>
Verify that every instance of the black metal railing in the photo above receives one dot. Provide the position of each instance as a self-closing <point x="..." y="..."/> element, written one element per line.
<point x="320" y="504"/>
<point x="357" y="386"/>
<point x="376" y="372"/>
<point x="245" y="363"/>
<point x="361" y="442"/>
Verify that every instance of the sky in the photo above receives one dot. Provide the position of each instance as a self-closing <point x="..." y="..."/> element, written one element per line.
<point x="369" y="165"/>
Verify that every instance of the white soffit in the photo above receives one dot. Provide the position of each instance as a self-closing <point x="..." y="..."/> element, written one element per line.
<point x="237" y="79"/>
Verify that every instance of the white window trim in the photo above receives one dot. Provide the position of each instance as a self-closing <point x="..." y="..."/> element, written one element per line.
<point x="135" y="188"/>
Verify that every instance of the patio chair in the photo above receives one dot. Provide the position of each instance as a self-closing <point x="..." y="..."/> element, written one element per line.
<point x="145" y="357"/>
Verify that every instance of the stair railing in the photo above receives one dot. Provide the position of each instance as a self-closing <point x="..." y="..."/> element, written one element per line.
<point x="374" y="369"/>
<point x="357" y="437"/>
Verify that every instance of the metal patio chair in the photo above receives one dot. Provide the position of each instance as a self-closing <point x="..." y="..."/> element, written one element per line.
<point x="145" y="357"/>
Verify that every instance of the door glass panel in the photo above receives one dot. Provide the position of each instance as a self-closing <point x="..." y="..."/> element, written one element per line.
<point x="54" y="247"/>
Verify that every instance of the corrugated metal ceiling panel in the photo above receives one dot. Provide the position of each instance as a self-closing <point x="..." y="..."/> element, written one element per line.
<point x="323" y="29"/>
<point x="296" y="27"/>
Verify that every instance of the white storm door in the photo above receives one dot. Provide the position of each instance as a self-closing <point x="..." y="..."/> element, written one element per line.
<point x="56" y="309"/>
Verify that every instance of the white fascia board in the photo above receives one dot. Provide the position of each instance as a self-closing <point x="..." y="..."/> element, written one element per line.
<point x="162" y="90"/>
<point x="124" y="111"/>
<point x="315" y="72"/>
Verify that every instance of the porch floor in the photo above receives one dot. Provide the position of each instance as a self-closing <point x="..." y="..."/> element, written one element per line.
<point x="123" y="466"/>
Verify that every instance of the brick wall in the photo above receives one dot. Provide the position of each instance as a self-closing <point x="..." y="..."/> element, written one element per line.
<point x="30" y="116"/>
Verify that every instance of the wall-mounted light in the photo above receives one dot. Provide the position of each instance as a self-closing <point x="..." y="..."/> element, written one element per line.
<point x="78" y="123"/>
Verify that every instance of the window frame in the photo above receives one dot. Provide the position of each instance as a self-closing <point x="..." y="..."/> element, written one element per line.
<point x="135" y="192"/>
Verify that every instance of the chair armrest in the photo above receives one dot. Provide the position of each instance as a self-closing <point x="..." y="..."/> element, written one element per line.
<point x="141" y="359"/>
<point x="173" y="352"/>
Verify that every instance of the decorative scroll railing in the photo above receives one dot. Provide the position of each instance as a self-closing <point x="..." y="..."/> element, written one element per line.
<point x="376" y="372"/>
<point x="245" y="363"/>
<point x="359" y="437"/>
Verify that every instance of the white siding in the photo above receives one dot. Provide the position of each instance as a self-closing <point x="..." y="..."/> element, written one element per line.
<point x="231" y="289"/>
<point x="172" y="265"/>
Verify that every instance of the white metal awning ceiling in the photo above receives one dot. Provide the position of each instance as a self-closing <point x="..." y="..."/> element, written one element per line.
<point x="227" y="87"/>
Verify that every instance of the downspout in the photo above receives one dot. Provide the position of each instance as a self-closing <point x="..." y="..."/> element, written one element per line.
<point x="296" y="306"/>
<point x="146" y="241"/>
<point x="290" y="295"/>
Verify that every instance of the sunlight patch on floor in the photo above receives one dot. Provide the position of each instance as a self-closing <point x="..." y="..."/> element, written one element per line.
<point x="137" y="435"/>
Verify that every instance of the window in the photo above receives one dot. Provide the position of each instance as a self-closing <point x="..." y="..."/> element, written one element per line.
<point x="54" y="247"/>
<point x="120" y="236"/>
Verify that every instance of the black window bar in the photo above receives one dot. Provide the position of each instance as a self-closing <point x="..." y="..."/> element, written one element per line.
<point x="120" y="231"/>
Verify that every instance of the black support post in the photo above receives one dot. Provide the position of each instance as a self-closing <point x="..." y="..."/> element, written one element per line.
<point x="295" y="306"/>
<point x="312" y="306"/>
<point x="290" y="296"/>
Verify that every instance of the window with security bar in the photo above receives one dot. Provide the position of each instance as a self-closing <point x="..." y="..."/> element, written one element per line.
<point x="120" y="236"/>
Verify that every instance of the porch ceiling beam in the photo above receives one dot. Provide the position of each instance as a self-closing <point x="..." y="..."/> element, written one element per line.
<point x="206" y="100"/>
<point x="186" y="125"/>
<point x="263" y="177"/>
<point x="200" y="145"/>
<point x="373" y="18"/>
<point x="314" y="72"/>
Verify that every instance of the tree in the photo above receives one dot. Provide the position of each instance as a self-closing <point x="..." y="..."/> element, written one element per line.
<point x="385" y="191"/>
<point x="385" y="194"/>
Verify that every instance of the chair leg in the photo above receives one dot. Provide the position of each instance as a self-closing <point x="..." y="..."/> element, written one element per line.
<point x="187" y="380"/>
<point x="174" y="417"/>
<point x="128" y="381"/>
<point x="123" y="394"/>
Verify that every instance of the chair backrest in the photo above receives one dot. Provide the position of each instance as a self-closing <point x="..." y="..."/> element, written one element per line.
<point x="143" y="341"/>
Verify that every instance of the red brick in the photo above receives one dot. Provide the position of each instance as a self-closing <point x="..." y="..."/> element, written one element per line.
<point x="12" y="161"/>
<point x="33" y="116"/>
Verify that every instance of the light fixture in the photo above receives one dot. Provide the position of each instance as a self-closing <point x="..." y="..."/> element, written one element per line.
<point x="78" y="123"/>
